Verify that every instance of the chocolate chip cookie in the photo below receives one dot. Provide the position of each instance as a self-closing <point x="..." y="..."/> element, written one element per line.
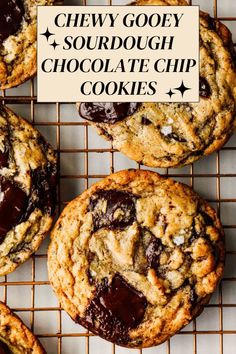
<point x="28" y="178"/>
<point x="172" y="135"/>
<point x="18" y="40"/>
<point x="136" y="257"/>
<point x="15" y="337"/>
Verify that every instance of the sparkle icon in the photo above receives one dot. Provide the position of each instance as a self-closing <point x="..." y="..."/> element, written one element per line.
<point x="54" y="44"/>
<point x="182" y="89"/>
<point x="47" y="34"/>
<point x="170" y="93"/>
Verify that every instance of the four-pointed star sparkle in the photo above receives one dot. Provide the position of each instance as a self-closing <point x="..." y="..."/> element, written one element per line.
<point x="47" y="34"/>
<point x="170" y="93"/>
<point x="54" y="44"/>
<point x="182" y="89"/>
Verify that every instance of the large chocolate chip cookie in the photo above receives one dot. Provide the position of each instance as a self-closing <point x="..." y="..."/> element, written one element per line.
<point x="172" y="135"/>
<point x="135" y="257"/>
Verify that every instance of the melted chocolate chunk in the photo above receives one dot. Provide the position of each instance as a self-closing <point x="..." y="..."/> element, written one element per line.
<point x="153" y="252"/>
<point x="90" y="257"/>
<point x="89" y="275"/>
<point x="194" y="235"/>
<point x="43" y="190"/>
<point x="115" y="309"/>
<point x="4" y="348"/>
<point x="204" y="89"/>
<point x="176" y="138"/>
<point x="4" y="158"/>
<point x="21" y="246"/>
<point x="192" y="295"/>
<point x="124" y="302"/>
<point x="208" y="220"/>
<point x="13" y="203"/>
<point x="16" y="206"/>
<point x="102" y="112"/>
<point x="119" y="209"/>
<point x="11" y="15"/>
<point x="145" y="121"/>
<point x="212" y="23"/>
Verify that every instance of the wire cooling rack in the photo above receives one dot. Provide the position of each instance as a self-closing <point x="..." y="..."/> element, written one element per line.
<point x="85" y="158"/>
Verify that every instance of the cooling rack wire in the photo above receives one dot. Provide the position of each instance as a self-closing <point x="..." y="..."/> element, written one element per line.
<point x="85" y="158"/>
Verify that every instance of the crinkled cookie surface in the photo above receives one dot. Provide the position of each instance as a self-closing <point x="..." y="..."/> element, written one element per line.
<point x="28" y="179"/>
<point x="15" y="337"/>
<point x="18" y="36"/>
<point x="171" y="134"/>
<point x="136" y="257"/>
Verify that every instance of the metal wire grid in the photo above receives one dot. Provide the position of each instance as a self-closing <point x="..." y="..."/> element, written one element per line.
<point x="190" y="174"/>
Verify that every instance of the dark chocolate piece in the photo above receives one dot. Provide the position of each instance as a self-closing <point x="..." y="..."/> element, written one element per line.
<point x="90" y="258"/>
<point x="43" y="190"/>
<point x="116" y="308"/>
<point x="13" y="203"/>
<point x="16" y="206"/>
<point x="176" y="138"/>
<point x="192" y="293"/>
<point x="102" y="112"/>
<point x="193" y="296"/>
<point x="212" y="23"/>
<point x="89" y="275"/>
<point x="204" y="88"/>
<point x="194" y="235"/>
<point x="120" y="209"/>
<point x="4" y="348"/>
<point x="153" y="252"/>
<point x="208" y="220"/>
<point x="145" y="121"/>
<point x="4" y="158"/>
<point x="11" y="15"/>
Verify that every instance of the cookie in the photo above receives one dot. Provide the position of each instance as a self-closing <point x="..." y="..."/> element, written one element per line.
<point x="174" y="134"/>
<point x="15" y="337"/>
<point x="28" y="178"/>
<point x="18" y="36"/>
<point x="136" y="257"/>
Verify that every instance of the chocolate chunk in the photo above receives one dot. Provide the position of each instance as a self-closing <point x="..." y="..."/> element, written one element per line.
<point x="118" y="212"/>
<point x="204" y="89"/>
<point x="16" y="206"/>
<point x="89" y="275"/>
<point x="153" y="252"/>
<point x="90" y="258"/>
<point x="124" y="302"/>
<point x="102" y="112"/>
<point x="13" y="203"/>
<point x="4" y="158"/>
<point x="115" y="309"/>
<point x="43" y="190"/>
<point x="194" y="235"/>
<point x="4" y="348"/>
<point x="208" y="220"/>
<point x="193" y="296"/>
<point x="21" y="246"/>
<point x="192" y="293"/>
<point x="212" y="23"/>
<point x="11" y="15"/>
<point x="176" y="137"/>
<point x="145" y="121"/>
